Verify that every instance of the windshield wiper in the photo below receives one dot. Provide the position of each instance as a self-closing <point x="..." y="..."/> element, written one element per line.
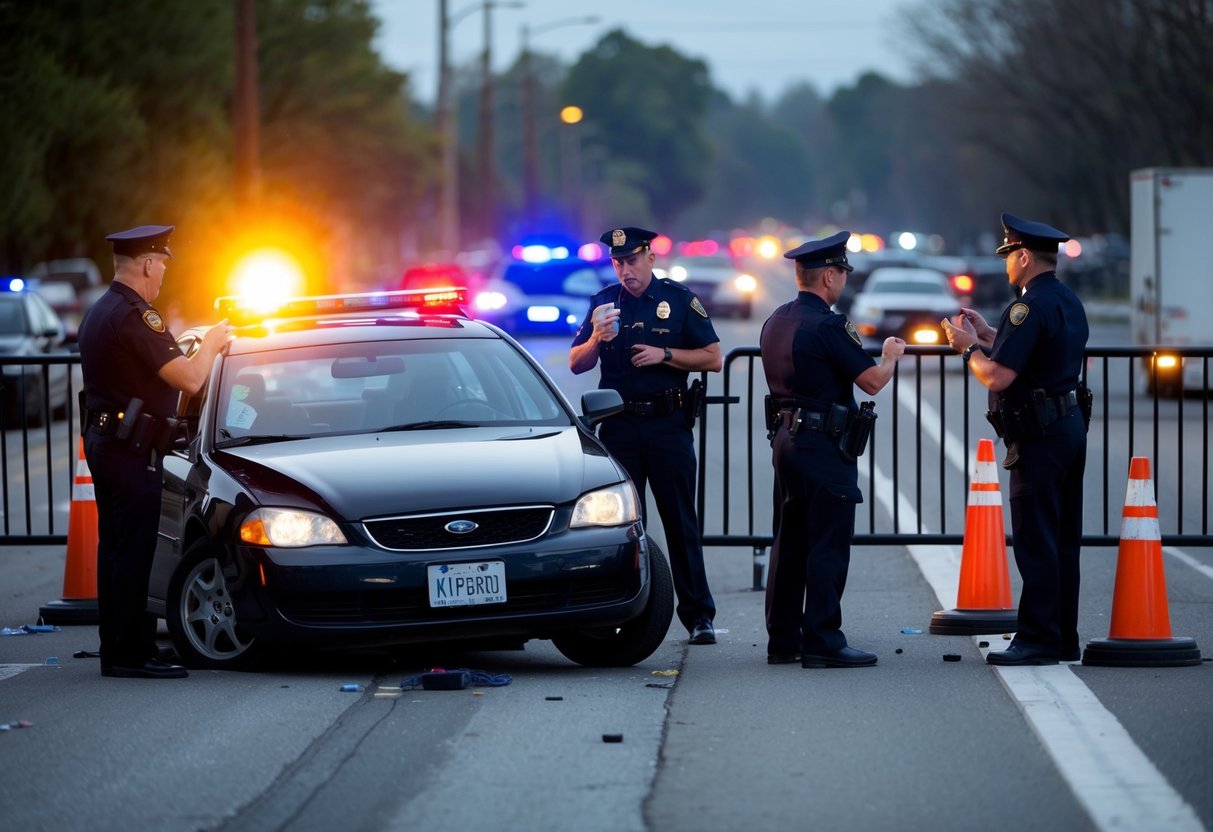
<point x="431" y="425"/>
<point x="262" y="439"/>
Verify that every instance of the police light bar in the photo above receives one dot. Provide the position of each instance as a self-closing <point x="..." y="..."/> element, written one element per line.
<point x="450" y="299"/>
<point x="12" y="284"/>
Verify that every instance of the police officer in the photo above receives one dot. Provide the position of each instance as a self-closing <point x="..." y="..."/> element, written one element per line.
<point x="649" y="334"/>
<point x="812" y="357"/>
<point x="1032" y="365"/>
<point x="132" y="370"/>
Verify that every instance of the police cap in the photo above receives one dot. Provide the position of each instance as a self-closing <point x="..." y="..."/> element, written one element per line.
<point x="817" y="254"/>
<point x="146" y="239"/>
<point x="1036" y="236"/>
<point x="627" y="240"/>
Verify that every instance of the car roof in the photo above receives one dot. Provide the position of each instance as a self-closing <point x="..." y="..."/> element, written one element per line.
<point x="906" y="273"/>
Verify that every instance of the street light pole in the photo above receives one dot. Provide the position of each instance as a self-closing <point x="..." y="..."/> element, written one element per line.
<point x="245" y="109"/>
<point x="445" y="120"/>
<point x="530" y="142"/>
<point x="488" y="172"/>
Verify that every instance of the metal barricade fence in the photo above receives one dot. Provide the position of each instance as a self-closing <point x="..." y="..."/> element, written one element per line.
<point x="931" y="416"/>
<point x="921" y="454"/>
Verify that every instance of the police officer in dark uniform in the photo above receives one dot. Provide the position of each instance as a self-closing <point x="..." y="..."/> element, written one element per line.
<point x="812" y="358"/>
<point x="648" y="335"/>
<point x="1032" y="366"/>
<point x="132" y="371"/>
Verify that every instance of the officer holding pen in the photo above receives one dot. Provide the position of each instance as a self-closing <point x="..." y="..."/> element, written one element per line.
<point x="648" y="335"/>
<point x="132" y="371"/>
<point x="1032" y="366"/>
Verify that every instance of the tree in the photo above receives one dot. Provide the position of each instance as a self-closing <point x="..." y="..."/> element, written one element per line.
<point x="646" y="107"/>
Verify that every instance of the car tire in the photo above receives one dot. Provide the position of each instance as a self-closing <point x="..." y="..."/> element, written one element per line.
<point x="635" y="640"/>
<point x="202" y="618"/>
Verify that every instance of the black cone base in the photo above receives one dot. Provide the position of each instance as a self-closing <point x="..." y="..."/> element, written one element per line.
<point x="973" y="622"/>
<point x="1144" y="652"/>
<point x="71" y="611"/>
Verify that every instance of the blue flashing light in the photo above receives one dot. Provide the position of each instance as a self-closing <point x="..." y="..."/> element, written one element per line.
<point x="12" y="284"/>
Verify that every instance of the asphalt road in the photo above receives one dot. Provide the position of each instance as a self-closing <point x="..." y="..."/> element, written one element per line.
<point x="727" y="742"/>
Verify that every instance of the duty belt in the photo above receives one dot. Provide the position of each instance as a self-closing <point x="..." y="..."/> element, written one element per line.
<point x="103" y="422"/>
<point x="809" y="420"/>
<point x="663" y="404"/>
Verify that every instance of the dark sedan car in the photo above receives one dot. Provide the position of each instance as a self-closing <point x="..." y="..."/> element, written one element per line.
<point x="391" y="475"/>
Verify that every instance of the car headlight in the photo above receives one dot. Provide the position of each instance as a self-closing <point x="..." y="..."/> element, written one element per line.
<point x="745" y="283"/>
<point x="288" y="528"/>
<point x="614" y="506"/>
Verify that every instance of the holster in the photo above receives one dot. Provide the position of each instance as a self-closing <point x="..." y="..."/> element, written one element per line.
<point x="1086" y="403"/>
<point x="693" y="402"/>
<point x="854" y="440"/>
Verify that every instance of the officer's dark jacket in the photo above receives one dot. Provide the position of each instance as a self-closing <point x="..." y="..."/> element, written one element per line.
<point x="667" y="315"/>
<point x="1042" y="336"/>
<point x="812" y="355"/>
<point x="123" y="345"/>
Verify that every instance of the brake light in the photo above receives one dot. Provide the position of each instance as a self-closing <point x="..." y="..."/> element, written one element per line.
<point x="962" y="283"/>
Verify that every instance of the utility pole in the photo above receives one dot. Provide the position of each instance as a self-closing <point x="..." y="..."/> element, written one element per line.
<point x="488" y="172"/>
<point x="245" y="121"/>
<point x="446" y="120"/>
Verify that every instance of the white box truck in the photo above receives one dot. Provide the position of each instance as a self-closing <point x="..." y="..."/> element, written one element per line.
<point x="1171" y="272"/>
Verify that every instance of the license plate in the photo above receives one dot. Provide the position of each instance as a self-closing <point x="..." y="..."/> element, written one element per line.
<point x="467" y="584"/>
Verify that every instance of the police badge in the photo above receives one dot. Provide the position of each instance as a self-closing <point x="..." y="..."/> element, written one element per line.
<point x="1018" y="314"/>
<point x="663" y="310"/>
<point x="152" y="318"/>
<point x="618" y="238"/>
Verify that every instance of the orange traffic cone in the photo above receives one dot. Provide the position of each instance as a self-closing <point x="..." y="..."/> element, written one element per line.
<point x="983" y="601"/>
<point x="79" y="602"/>
<point x="1140" y="635"/>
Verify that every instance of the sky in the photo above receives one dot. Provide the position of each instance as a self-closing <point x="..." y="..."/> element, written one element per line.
<point x="760" y="46"/>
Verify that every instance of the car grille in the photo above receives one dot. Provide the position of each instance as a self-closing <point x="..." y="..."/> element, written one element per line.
<point x="419" y="533"/>
<point x="405" y="606"/>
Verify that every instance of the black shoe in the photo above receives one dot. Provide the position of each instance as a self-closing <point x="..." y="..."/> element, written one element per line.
<point x="783" y="658"/>
<point x="703" y="633"/>
<point x="846" y="657"/>
<point x="1018" y="655"/>
<point x="148" y="670"/>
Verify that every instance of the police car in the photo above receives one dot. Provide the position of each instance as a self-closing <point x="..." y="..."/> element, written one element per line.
<point x="379" y="469"/>
<point x="30" y="328"/>
<point x="544" y="287"/>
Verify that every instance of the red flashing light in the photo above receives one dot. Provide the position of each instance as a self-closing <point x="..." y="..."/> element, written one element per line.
<point x="450" y="298"/>
<point x="661" y="244"/>
<point x="962" y="283"/>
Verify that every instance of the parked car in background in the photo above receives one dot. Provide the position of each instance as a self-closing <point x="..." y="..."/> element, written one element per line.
<point x="907" y="302"/>
<point x="388" y="471"/>
<point x="722" y="286"/>
<point x="30" y="328"/>
<point x="70" y="286"/>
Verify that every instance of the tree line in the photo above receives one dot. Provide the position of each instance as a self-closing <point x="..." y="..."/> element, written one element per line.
<point x="120" y="113"/>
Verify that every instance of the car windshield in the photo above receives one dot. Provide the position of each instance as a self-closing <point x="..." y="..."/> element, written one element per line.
<point x="379" y="386"/>
<point x="12" y="317"/>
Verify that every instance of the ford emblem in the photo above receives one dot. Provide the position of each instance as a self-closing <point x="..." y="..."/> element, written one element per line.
<point x="461" y="526"/>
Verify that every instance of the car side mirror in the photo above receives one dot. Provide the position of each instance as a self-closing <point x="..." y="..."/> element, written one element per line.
<point x="597" y="405"/>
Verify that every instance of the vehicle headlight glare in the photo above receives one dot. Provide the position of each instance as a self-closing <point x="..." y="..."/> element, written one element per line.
<point x="746" y="283"/>
<point x="290" y="528"/>
<point x="614" y="506"/>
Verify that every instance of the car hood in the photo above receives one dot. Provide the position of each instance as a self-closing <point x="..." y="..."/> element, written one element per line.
<point x="373" y="475"/>
<point x="13" y="344"/>
<point x="898" y="300"/>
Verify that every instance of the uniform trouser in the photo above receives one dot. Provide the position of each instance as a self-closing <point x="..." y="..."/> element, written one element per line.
<point x="1046" y="530"/>
<point x="128" y="515"/>
<point x="816" y="492"/>
<point x="659" y="452"/>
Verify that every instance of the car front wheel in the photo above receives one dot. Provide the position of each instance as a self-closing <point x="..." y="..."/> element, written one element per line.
<point x="635" y="640"/>
<point x="201" y="615"/>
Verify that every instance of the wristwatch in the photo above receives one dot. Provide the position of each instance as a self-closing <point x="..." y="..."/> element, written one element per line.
<point x="968" y="352"/>
<point x="669" y="356"/>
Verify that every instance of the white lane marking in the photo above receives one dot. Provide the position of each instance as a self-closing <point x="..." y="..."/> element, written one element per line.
<point x="1115" y="782"/>
<point x="7" y="671"/>
<point x="1184" y="557"/>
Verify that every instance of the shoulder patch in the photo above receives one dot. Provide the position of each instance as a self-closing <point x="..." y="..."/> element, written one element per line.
<point x="153" y="320"/>
<point x="1018" y="314"/>
<point x="698" y="307"/>
<point x="854" y="335"/>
